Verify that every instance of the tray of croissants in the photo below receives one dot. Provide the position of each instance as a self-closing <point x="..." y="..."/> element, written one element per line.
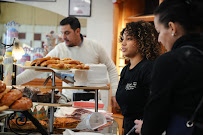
<point x="13" y="99"/>
<point x="56" y="64"/>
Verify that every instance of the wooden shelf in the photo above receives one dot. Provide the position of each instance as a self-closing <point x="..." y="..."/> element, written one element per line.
<point x="139" y="18"/>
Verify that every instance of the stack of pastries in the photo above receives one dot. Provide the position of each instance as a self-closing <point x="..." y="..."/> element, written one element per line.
<point x="13" y="99"/>
<point x="57" y="63"/>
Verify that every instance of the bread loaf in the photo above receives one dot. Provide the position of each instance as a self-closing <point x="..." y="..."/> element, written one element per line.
<point x="23" y="103"/>
<point x="10" y="97"/>
<point x="4" y="92"/>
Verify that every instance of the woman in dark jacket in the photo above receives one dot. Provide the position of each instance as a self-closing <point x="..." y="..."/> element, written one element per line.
<point x="140" y="45"/>
<point x="177" y="77"/>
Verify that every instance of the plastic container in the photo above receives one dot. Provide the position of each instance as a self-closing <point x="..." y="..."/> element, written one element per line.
<point x="95" y="120"/>
<point x="91" y="121"/>
<point x="8" y="68"/>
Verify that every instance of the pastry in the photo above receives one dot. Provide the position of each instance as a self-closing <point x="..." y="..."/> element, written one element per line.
<point x="64" y="59"/>
<point x="57" y="66"/>
<point x="10" y="97"/>
<point x="38" y="61"/>
<point x="57" y="63"/>
<point x="70" y="62"/>
<point x="28" y="125"/>
<point x="45" y="63"/>
<point x="23" y="103"/>
<point x="55" y="58"/>
<point x="63" y="122"/>
<point x="4" y="92"/>
<point x="42" y="60"/>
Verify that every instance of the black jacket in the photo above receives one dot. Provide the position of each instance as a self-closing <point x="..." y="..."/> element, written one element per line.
<point x="177" y="85"/>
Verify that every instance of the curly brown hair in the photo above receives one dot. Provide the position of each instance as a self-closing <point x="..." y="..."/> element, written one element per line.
<point x="146" y="37"/>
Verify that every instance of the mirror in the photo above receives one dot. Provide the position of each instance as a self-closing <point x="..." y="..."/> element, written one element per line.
<point x="39" y="29"/>
<point x="36" y="25"/>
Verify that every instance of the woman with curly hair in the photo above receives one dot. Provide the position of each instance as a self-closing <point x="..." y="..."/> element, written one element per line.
<point x="140" y="45"/>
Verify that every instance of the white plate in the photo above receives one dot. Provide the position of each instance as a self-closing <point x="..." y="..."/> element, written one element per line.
<point x="53" y="69"/>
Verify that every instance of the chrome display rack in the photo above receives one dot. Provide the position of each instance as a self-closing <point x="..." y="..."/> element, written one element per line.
<point x="53" y="87"/>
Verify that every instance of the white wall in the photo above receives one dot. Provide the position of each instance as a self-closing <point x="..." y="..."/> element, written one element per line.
<point x="99" y="25"/>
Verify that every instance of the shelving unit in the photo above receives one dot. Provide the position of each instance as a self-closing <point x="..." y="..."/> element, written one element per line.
<point x="53" y="87"/>
<point x="148" y="18"/>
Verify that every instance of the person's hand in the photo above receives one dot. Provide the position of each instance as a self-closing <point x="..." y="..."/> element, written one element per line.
<point x="138" y="126"/>
<point x="114" y="104"/>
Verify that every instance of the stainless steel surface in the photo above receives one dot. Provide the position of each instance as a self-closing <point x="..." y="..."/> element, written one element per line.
<point x="96" y="100"/>
<point x="52" y="101"/>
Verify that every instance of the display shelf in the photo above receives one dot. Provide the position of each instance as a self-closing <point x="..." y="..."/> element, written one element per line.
<point x="148" y="18"/>
<point x="53" y="104"/>
<point x="53" y="87"/>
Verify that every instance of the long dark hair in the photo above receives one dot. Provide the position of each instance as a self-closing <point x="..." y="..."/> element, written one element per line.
<point x="188" y="13"/>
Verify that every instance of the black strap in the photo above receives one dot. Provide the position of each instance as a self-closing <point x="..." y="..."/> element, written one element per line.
<point x="189" y="46"/>
<point x="192" y="118"/>
<point x="196" y="110"/>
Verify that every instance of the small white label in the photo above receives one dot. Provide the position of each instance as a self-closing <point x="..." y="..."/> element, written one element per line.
<point x="131" y="86"/>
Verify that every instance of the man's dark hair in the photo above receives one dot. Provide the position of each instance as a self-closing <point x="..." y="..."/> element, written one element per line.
<point x="72" y="21"/>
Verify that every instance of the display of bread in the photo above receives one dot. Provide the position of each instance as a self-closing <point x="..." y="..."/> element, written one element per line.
<point x="63" y="122"/>
<point x="13" y="98"/>
<point x="57" y="63"/>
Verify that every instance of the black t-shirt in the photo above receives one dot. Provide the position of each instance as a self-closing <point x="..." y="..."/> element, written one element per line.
<point x="133" y="92"/>
<point x="133" y="89"/>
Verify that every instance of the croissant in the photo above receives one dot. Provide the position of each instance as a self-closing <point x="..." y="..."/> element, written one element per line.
<point x="45" y="63"/>
<point x="38" y="61"/>
<point x="57" y="66"/>
<point x="70" y="62"/>
<point x="55" y="58"/>
<point x="65" y="59"/>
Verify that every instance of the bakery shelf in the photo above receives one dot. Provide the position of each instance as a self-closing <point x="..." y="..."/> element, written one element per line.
<point x="53" y="87"/>
<point x="53" y="104"/>
<point x="147" y="18"/>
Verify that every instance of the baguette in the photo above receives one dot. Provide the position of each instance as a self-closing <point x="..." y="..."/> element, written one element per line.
<point x="10" y="97"/>
<point x="4" y="92"/>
